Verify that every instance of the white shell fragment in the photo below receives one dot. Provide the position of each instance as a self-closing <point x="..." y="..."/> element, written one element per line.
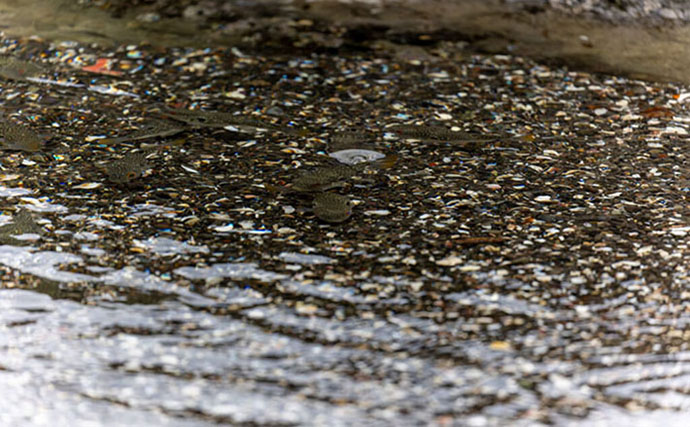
<point x="450" y="261"/>
<point x="378" y="212"/>
<point x="674" y="130"/>
<point x="87" y="186"/>
<point x="355" y="155"/>
<point x="188" y="169"/>
<point x="230" y="228"/>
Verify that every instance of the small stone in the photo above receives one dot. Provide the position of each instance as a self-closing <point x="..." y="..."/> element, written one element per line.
<point x="667" y="13"/>
<point x="275" y="111"/>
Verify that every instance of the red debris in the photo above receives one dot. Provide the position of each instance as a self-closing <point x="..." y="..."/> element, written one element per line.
<point x="102" y="66"/>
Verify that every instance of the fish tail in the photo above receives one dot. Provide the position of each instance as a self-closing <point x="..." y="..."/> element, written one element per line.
<point x="386" y="162"/>
<point x="274" y="188"/>
<point x="178" y="115"/>
<point x="111" y="141"/>
<point x="300" y="132"/>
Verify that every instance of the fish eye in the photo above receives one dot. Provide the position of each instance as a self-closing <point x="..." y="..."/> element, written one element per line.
<point x="131" y="175"/>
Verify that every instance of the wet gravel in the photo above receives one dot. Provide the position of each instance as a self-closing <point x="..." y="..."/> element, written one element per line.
<point x="522" y="262"/>
<point x="664" y="12"/>
<point x="207" y="12"/>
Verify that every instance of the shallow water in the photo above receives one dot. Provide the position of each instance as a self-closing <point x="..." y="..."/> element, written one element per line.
<point x="174" y="363"/>
<point x="536" y="279"/>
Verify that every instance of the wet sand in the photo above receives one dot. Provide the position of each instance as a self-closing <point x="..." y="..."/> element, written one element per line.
<point x="655" y="50"/>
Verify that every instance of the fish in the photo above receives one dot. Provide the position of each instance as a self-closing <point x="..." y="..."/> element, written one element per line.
<point x="218" y="119"/>
<point x="437" y="133"/>
<point x="14" y="136"/>
<point x="413" y="54"/>
<point x="347" y="137"/>
<point x="127" y="169"/>
<point x="332" y="207"/>
<point x="150" y="129"/>
<point x="405" y="53"/>
<point x="327" y="177"/>
<point x="22" y="223"/>
<point x="16" y="69"/>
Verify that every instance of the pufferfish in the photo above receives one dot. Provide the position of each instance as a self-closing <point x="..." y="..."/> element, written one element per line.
<point x="437" y="133"/>
<point x="14" y="136"/>
<point x="16" y="69"/>
<point x="149" y="130"/>
<point x="127" y="169"/>
<point x="219" y="119"/>
<point x="328" y="177"/>
<point x="332" y="207"/>
<point x="22" y="223"/>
